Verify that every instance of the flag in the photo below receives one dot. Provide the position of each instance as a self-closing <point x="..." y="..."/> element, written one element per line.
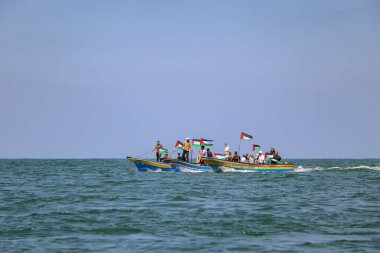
<point x="256" y="147"/>
<point x="206" y="143"/>
<point x="178" y="145"/>
<point x="197" y="142"/>
<point x="245" y="136"/>
<point x="163" y="151"/>
<point x="202" y="142"/>
<point x="268" y="156"/>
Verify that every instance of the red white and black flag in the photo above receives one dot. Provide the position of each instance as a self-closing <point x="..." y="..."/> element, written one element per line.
<point x="202" y="142"/>
<point x="256" y="147"/>
<point x="245" y="136"/>
<point x="178" y="145"/>
<point x="206" y="142"/>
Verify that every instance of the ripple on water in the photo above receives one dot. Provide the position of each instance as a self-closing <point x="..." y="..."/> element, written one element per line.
<point x="104" y="205"/>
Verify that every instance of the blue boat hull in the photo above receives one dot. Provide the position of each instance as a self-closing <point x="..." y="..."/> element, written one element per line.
<point x="188" y="167"/>
<point x="146" y="165"/>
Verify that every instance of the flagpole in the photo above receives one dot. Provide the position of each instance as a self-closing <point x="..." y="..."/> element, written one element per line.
<point x="191" y="151"/>
<point x="239" y="146"/>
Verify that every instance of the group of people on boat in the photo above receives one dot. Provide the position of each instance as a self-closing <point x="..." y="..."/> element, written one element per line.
<point x="271" y="157"/>
<point x="202" y="153"/>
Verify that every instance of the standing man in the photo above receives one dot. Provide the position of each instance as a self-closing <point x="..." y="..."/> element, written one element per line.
<point x="186" y="150"/>
<point x="226" y="149"/>
<point x="261" y="158"/>
<point x="157" y="148"/>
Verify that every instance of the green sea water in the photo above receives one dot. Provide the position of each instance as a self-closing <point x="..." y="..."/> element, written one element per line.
<point x="98" y="205"/>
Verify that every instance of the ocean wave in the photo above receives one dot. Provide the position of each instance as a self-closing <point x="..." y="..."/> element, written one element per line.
<point x="335" y="168"/>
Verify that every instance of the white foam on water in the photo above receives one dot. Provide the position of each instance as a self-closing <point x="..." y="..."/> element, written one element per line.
<point x="360" y="167"/>
<point x="366" y="167"/>
<point x="227" y="169"/>
<point x="302" y="169"/>
<point x="191" y="170"/>
<point x="157" y="170"/>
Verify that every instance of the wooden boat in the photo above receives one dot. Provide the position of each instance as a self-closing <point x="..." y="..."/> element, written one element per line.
<point x="228" y="166"/>
<point x="183" y="166"/>
<point x="148" y="165"/>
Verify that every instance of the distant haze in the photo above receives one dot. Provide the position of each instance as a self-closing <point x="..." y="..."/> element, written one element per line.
<point x="109" y="78"/>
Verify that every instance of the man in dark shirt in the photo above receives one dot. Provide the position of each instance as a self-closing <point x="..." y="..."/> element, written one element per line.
<point x="236" y="157"/>
<point x="157" y="148"/>
<point x="209" y="153"/>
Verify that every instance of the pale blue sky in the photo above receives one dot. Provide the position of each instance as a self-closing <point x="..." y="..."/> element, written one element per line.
<point x="109" y="78"/>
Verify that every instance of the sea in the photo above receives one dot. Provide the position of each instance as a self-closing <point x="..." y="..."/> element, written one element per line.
<point x="105" y="205"/>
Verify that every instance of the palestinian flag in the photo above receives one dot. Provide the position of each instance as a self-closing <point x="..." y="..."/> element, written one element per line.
<point x="206" y="143"/>
<point x="245" y="136"/>
<point x="256" y="147"/>
<point x="197" y="143"/>
<point x="268" y="156"/>
<point x="178" y="145"/>
<point x="202" y="142"/>
<point x="163" y="151"/>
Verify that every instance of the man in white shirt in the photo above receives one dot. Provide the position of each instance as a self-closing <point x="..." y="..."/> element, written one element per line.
<point x="226" y="149"/>
<point x="252" y="159"/>
<point x="202" y="153"/>
<point x="261" y="157"/>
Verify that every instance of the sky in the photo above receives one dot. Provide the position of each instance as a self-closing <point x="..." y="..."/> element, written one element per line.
<point x="107" y="79"/>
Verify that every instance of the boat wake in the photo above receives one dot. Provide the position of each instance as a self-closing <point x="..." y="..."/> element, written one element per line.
<point x="191" y="170"/>
<point x="318" y="169"/>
